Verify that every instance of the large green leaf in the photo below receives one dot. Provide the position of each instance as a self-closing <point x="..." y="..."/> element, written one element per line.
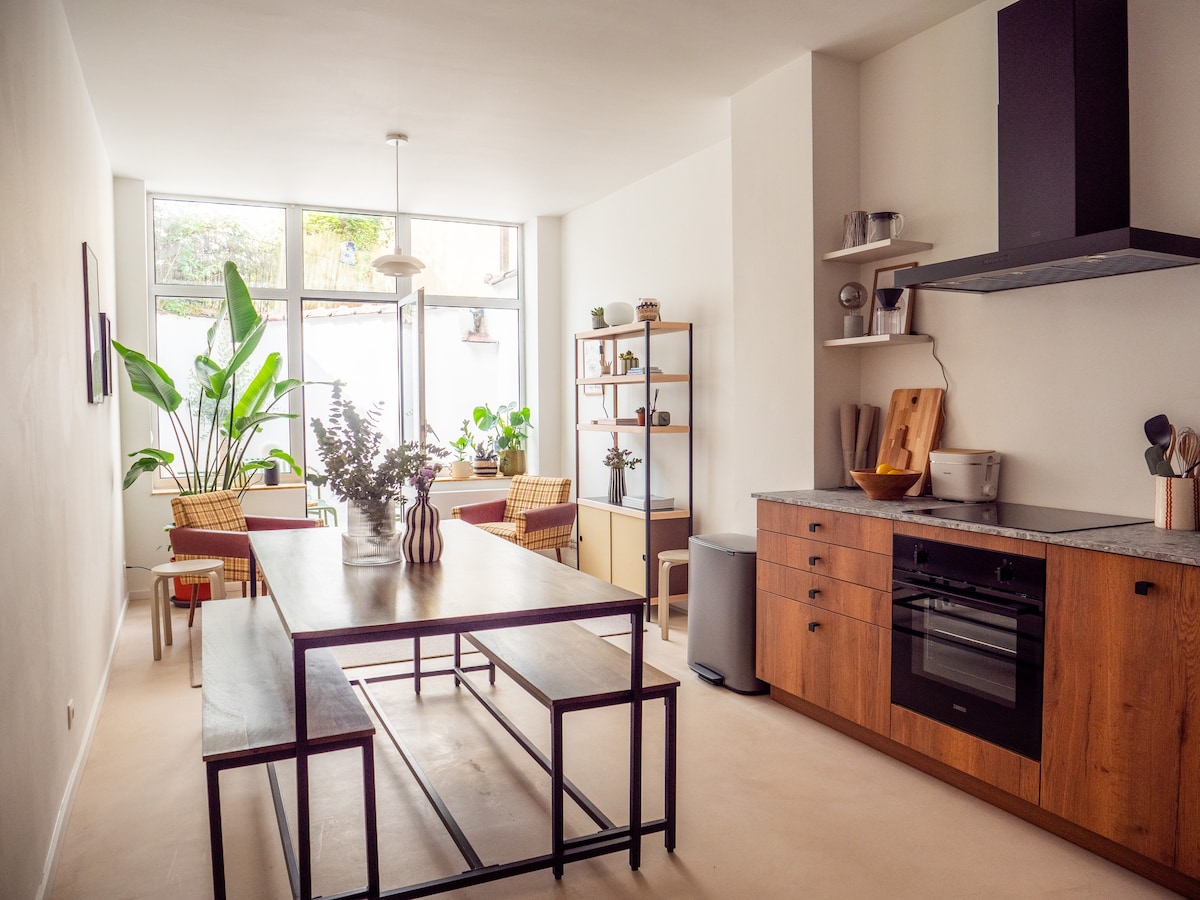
<point x="243" y="317"/>
<point x="259" y="389"/>
<point x="248" y="346"/>
<point x="166" y="457"/>
<point x="149" y="380"/>
<point x="143" y="464"/>
<point x="288" y="384"/>
<point x="212" y="377"/>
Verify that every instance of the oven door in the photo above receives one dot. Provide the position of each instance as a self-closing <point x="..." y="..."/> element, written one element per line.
<point x="973" y="663"/>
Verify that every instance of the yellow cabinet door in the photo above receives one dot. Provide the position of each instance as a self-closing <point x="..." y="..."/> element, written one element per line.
<point x="595" y="545"/>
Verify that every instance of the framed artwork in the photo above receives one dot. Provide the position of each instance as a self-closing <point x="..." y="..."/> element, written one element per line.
<point x="106" y="352"/>
<point x="885" y="278"/>
<point x="593" y="357"/>
<point x="93" y="342"/>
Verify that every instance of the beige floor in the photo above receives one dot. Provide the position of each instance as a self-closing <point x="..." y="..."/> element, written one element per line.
<point x="771" y="804"/>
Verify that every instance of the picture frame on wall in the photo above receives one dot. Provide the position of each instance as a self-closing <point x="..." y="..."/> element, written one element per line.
<point x="593" y="354"/>
<point x="885" y="277"/>
<point x="94" y="346"/>
<point x="106" y="366"/>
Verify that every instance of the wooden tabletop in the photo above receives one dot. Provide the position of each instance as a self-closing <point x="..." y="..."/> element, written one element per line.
<point x="481" y="581"/>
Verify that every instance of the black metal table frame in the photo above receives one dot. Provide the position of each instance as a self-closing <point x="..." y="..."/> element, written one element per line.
<point x="609" y="841"/>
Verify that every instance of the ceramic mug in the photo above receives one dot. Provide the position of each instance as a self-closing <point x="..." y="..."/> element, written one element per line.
<point x="1176" y="503"/>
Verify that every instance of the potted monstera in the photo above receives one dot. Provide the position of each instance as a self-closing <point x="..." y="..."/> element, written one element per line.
<point x="510" y="426"/>
<point x="224" y="407"/>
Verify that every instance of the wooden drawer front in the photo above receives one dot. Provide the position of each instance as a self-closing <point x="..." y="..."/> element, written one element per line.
<point x="998" y="767"/>
<point x="842" y="597"/>
<point x="772" y="547"/>
<point x="846" y="529"/>
<point x="872" y="570"/>
<point x="832" y="661"/>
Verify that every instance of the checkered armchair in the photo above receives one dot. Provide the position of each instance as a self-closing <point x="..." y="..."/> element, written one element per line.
<point x="537" y="514"/>
<point x="213" y="526"/>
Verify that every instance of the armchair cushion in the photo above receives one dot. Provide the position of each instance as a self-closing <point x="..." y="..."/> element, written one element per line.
<point x="536" y="515"/>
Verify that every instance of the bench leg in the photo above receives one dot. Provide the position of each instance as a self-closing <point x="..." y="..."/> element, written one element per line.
<point x="556" y="791"/>
<point x="214" y="832"/>
<point x="416" y="665"/>
<point x="669" y="765"/>
<point x="370" y="817"/>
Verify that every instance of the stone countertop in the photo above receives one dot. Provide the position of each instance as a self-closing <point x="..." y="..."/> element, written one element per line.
<point x="1145" y="541"/>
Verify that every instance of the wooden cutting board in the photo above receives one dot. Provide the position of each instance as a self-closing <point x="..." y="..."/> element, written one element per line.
<point x="912" y="428"/>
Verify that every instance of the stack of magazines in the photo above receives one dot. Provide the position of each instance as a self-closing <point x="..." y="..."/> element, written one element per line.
<point x="656" y="502"/>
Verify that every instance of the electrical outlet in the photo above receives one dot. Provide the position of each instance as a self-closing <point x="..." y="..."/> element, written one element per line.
<point x="70" y="714"/>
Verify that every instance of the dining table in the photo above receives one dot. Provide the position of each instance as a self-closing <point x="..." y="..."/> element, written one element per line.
<point x="480" y="582"/>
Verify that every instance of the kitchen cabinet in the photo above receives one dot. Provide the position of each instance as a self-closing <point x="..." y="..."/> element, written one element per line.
<point x="1115" y="697"/>
<point x="1186" y="629"/>
<point x="612" y="544"/>
<point x="823" y="610"/>
<point x="618" y="543"/>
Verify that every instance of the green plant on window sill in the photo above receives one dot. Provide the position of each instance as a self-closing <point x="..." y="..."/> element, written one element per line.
<point x="227" y="407"/>
<point x="462" y="445"/>
<point x="510" y="424"/>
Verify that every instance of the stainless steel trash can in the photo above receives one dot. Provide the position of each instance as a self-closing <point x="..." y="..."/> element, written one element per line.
<point x="721" y="610"/>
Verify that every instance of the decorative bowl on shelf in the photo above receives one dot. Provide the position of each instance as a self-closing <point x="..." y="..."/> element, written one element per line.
<point x="885" y="487"/>
<point x="618" y="313"/>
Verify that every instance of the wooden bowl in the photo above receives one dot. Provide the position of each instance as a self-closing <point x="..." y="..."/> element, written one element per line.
<point x="884" y="487"/>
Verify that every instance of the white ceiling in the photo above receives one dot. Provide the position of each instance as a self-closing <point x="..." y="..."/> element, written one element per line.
<point x="515" y="108"/>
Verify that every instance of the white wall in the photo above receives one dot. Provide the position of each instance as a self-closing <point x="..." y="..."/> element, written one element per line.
<point x="1058" y="378"/>
<point x="63" y="587"/>
<point x="667" y="236"/>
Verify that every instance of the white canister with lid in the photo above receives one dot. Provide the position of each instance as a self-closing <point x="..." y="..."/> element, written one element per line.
<point x="970" y="475"/>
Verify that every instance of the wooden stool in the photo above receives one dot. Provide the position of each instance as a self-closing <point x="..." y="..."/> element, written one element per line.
<point x="160" y="601"/>
<point x="666" y="559"/>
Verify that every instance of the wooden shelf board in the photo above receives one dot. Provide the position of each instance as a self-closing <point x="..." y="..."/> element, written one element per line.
<point x="655" y="378"/>
<point x="885" y="249"/>
<point x="879" y="340"/>
<point x="634" y="429"/>
<point x="632" y="330"/>
<point x="602" y="503"/>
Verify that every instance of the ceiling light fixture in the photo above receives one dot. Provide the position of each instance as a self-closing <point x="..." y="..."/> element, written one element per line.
<point x="398" y="264"/>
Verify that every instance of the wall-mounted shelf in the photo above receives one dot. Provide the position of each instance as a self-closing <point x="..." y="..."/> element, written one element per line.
<point x="885" y="249"/>
<point x="878" y="340"/>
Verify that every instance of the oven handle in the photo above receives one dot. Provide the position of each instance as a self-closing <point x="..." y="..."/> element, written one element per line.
<point x="1016" y="607"/>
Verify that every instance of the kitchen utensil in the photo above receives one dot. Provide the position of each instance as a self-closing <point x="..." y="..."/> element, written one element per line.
<point x="1158" y="432"/>
<point x="1187" y="448"/>
<point x="867" y="415"/>
<point x="884" y="225"/>
<point x="1153" y="458"/>
<point x="919" y="411"/>
<point x="849" y="430"/>
<point x="1169" y="456"/>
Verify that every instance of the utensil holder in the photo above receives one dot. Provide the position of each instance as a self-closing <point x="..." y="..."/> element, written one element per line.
<point x="1176" y="503"/>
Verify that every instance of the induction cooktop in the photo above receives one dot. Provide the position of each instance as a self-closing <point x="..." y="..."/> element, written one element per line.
<point x="1028" y="518"/>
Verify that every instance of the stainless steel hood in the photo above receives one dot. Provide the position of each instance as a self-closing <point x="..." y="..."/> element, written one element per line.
<point x="1063" y="157"/>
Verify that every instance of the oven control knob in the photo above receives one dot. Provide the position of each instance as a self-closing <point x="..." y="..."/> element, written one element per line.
<point x="1004" y="572"/>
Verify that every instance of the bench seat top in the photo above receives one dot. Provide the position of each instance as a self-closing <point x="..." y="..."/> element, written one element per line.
<point x="564" y="662"/>
<point x="249" y="704"/>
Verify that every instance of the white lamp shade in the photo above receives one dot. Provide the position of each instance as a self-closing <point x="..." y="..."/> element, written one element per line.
<point x="399" y="264"/>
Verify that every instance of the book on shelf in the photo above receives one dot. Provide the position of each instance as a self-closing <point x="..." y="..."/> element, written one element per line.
<point x="623" y="420"/>
<point x="642" y="370"/>
<point x="656" y="502"/>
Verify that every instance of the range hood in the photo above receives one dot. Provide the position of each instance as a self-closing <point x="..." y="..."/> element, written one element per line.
<point x="1064" y="161"/>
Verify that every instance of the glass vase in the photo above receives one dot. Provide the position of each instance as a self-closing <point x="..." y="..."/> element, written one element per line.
<point x="616" y="484"/>
<point x="422" y="542"/>
<point x="370" y="538"/>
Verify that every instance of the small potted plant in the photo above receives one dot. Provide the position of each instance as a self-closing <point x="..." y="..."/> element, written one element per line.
<point x="597" y="316"/>
<point x="484" y="465"/>
<point x="618" y="461"/>
<point x="461" y="447"/>
<point x="627" y="361"/>
<point x="641" y="415"/>
<point x="511" y="424"/>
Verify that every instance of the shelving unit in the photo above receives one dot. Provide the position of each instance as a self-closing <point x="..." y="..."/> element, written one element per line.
<point x="885" y="249"/>
<point x="618" y="543"/>
<point x="878" y="340"/>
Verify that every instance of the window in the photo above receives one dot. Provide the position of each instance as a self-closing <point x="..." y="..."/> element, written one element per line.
<point x="428" y="358"/>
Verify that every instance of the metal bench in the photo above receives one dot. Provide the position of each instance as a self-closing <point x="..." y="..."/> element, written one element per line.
<point x="566" y="668"/>
<point x="249" y="717"/>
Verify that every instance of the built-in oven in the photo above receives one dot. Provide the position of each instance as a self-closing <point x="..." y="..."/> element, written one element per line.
<point x="967" y="630"/>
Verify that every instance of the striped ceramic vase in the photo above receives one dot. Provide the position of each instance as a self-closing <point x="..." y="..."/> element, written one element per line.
<point x="422" y="541"/>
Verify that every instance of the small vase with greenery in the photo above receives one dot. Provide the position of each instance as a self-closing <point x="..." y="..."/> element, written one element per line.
<point x="598" y="317"/>
<point x="366" y="477"/>
<point x="225" y="406"/>
<point x="462" y="447"/>
<point x="485" y="459"/>
<point x="510" y="426"/>
<point x="618" y="461"/>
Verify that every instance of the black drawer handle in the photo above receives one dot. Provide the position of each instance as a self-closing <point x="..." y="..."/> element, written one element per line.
<point x="1142" y="587"/>
<point x="813" y="626"/>
<point x="812" y="593"/>
<point x="813" y="560"/>
<point x="813" y="526"/>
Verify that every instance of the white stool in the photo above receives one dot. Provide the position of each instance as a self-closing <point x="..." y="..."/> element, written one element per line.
<point x="160" y="600"/>
<point x="666" y="559"/>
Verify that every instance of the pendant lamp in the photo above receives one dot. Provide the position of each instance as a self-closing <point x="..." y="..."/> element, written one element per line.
<point x="397" y="263"/>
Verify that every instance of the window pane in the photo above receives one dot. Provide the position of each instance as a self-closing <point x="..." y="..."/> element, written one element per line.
<point x="339" y="247"/>
<point x="354" y="343"/>
<point x="192" y="241"/>
<point x="182" y="325"/>
<point x="471" y="358"/>
<point x="464" y="259"/>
